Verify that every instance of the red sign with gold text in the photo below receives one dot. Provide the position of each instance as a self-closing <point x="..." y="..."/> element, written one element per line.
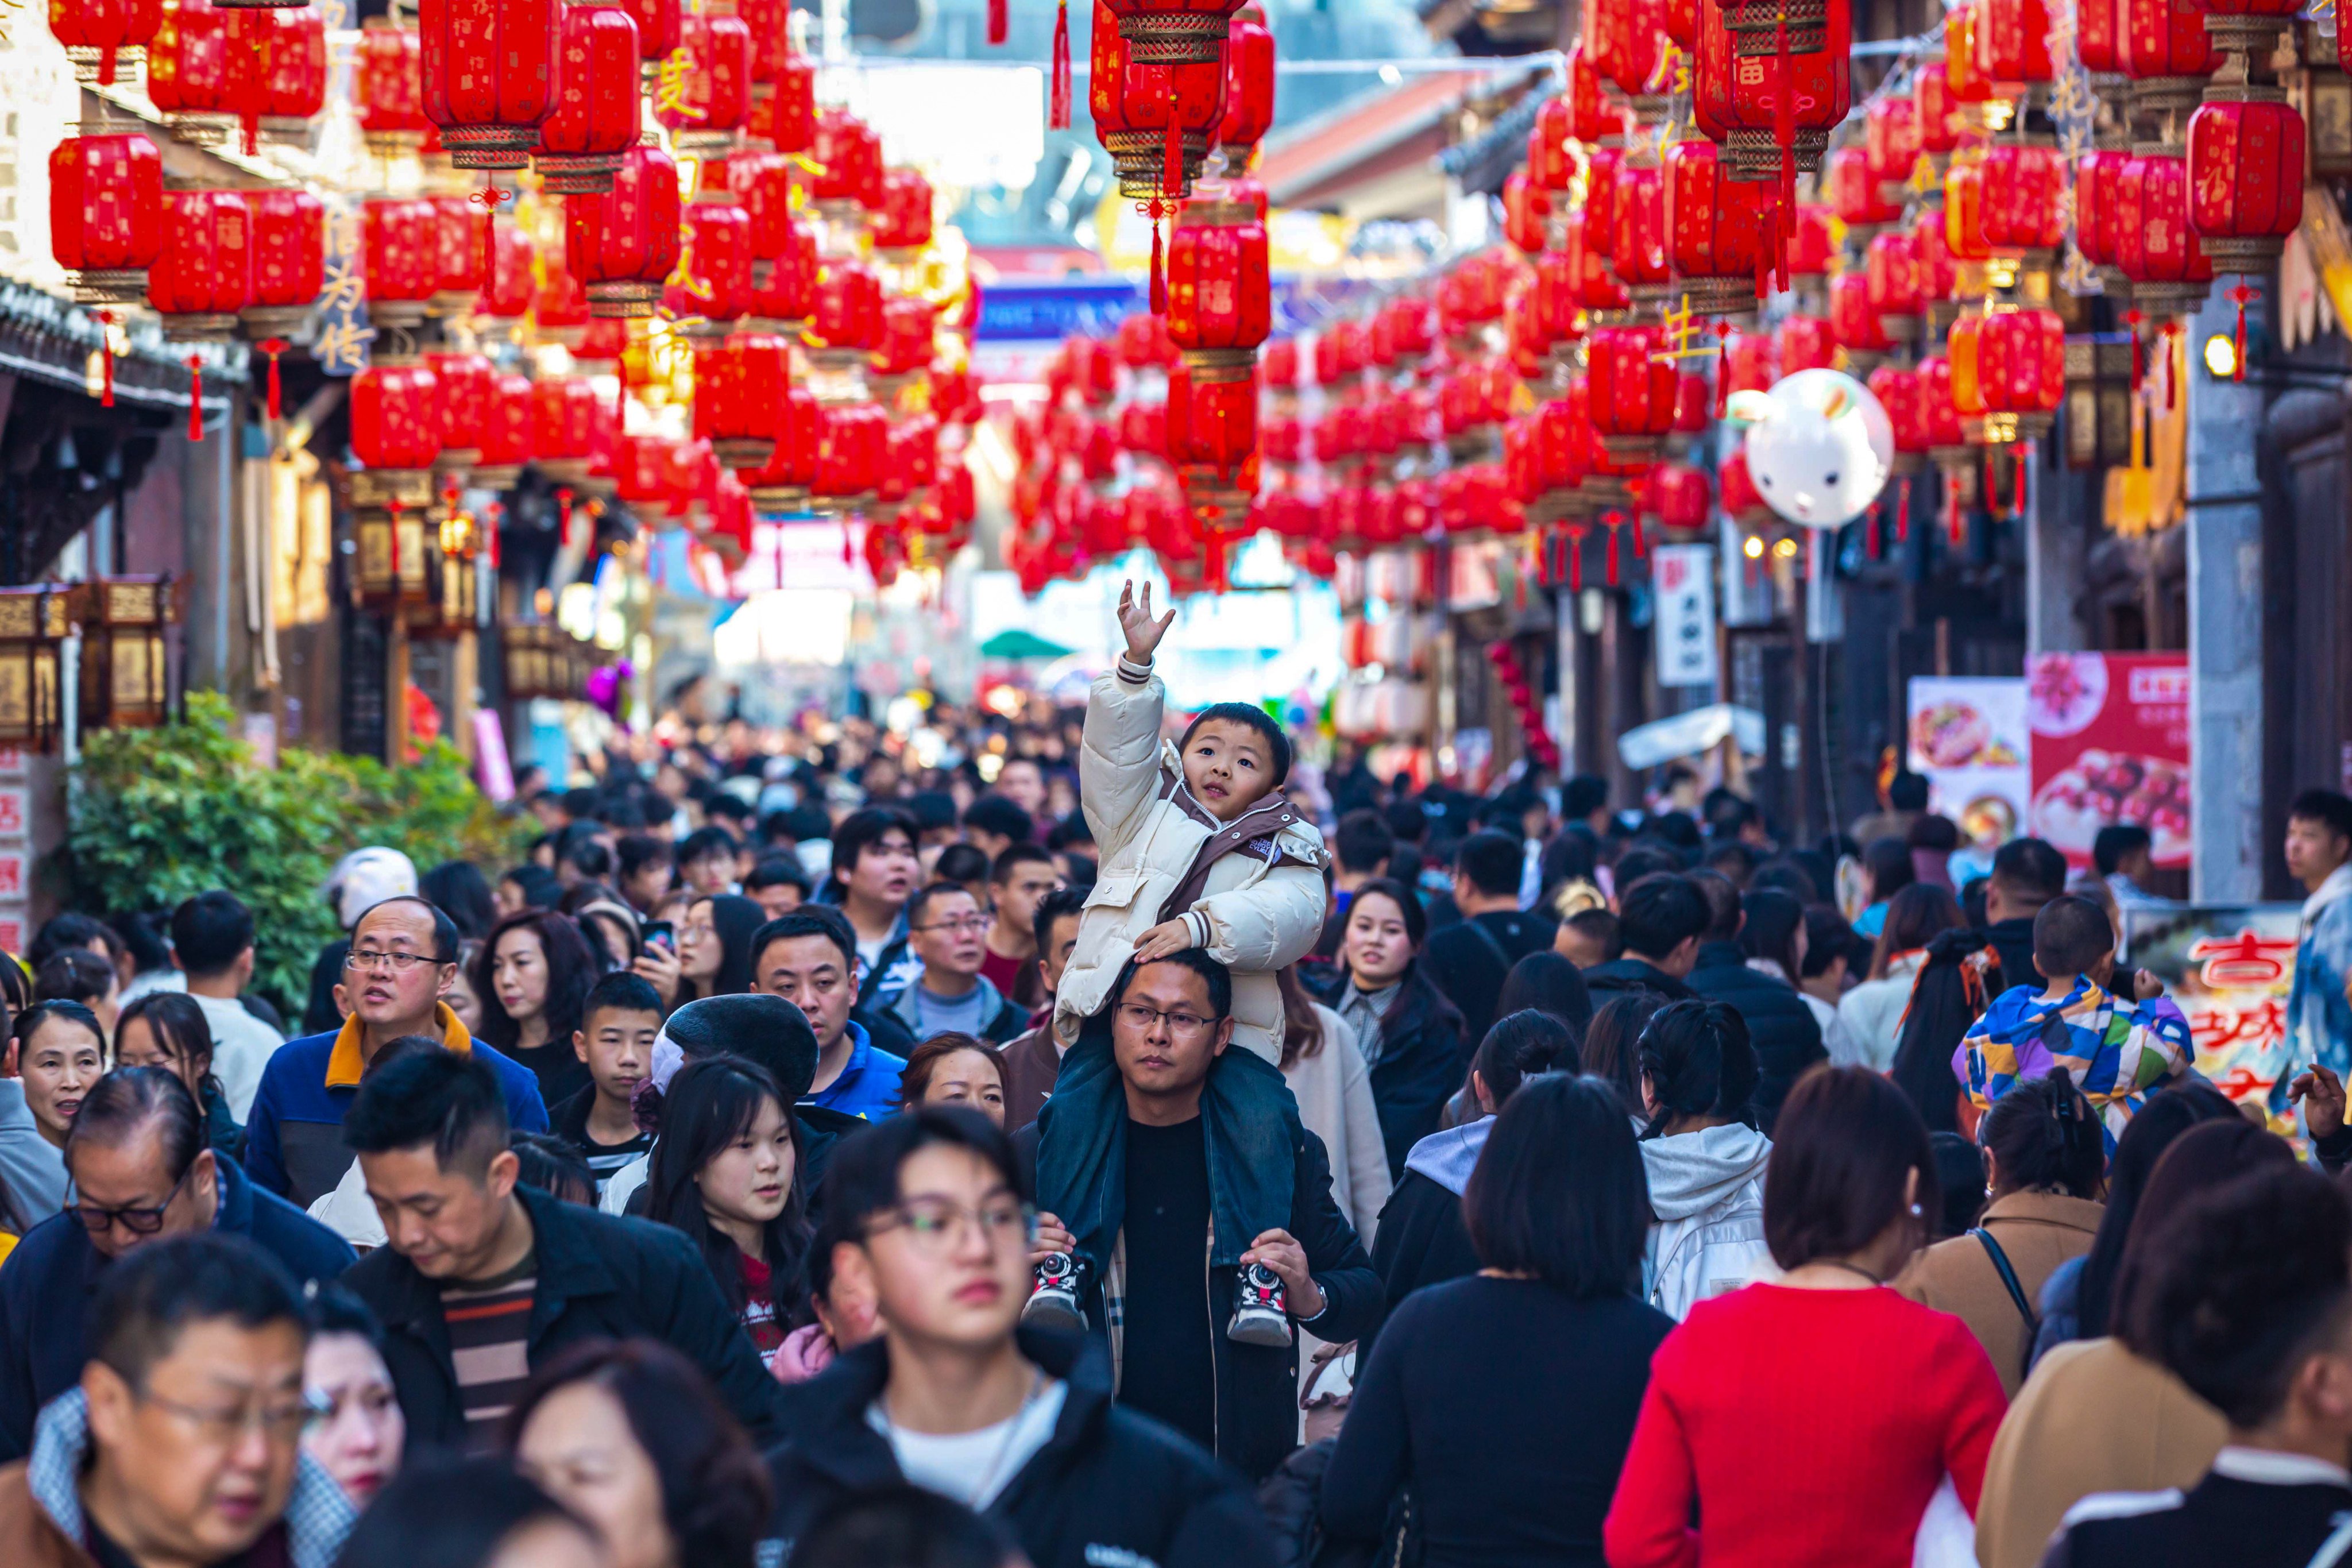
<point x="2110" y="744"/>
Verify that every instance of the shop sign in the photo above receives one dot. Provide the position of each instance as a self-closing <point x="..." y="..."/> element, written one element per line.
<point x="1683" y="577"/>
<point x="2110" y="744"/>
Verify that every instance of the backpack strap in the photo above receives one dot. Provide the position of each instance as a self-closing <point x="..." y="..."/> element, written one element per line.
<point x="2008" y="1278"/>
<point x="1494" y="943"/>
<point x="1256" y="831"/>
<point x="2339" y="1541"/>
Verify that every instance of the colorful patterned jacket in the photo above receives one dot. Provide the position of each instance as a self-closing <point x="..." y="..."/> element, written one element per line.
<point x="2115" y="1050"/>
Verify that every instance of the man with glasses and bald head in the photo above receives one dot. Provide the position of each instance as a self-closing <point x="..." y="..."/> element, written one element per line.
<point x="403" y="961"/>
<point x="141" y="1171"/>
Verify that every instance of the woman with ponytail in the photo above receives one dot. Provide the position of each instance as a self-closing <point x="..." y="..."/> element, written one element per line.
<point x="1703" y="1157"/>
<point x="2046" y="1166"/>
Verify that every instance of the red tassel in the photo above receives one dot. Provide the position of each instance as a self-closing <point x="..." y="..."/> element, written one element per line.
<point x="1903" y="515"/>
<point x="563" y="512"/>
<point x="1870" y="539"/>
<point x="1214" y="578"/>
<point x="1611" y="568"/>
<point x="196" y="398"/>
<point x="2241" y="293"/>
<point x="1991" y="484"/>
<point x="2017" y="461"/>
<point x="106" y="344"/>
<point x="1057" y="114"/>
<point x="1159" y="268"/>
<point x="1640" y="544"/>
<point x="1000" y="25"/>
<point x="1576" y="560"/>
<point x="845" y="556"/>
<point x="2165" y="335"/>
<point x="2132" y="320"/>
<point x="393" y="507"/>
<point x="1171" y="162"/>
<point x="252" y="130"/>
<point x="1955" y="525"/>
<point x="106" y="66"/>
<point x="273" y="347"/>
<point x="490" y="516"/>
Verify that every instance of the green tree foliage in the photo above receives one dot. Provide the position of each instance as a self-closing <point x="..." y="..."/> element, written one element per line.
<point x="158" y="815"/>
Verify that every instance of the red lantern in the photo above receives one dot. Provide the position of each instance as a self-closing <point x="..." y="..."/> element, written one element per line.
<point x="1939" y="415"/>
<point x="712" y="283"/>
<point x="465" y="382"/>
<point x="1737" y="486"/>
<point x="388" y="85"/>
<point x="2098" y="40"/>
<point x="2096" y="176"/>
<point x="908" y="337"/>
<point x="1632" y="391"/>
<point x="845" y="314"/>
<point x="1747" y="365"/>
<point x="1590" y="114"/>
<point x="739" y="397"/>
<point x="100" y="36"/>
<point x="461" y="252"/>
<point x="290" y="258"/>
<point x="1249" y="89"/>
<point x="1140" y="100"/>
<point x="2011" y="202"/>
<point x="1527" y="213"/>
<point x="489" y="77"/>
<point x="624" y="246"/>
<point x="1891" y="143"/>
<point x="783" y="83"/>
<point x="1899" y="392"/>
<point x="1219" y="293"/>
<point x="2245" y="176"/>
<point x="2156" y="246"/>
<point x="1775" y="82"/>
<point x="1853" y="320"/>
<point x="2008" y="374"/>
<point x="395" y="417"/>
<point x="507" y="290"/>
<point x="1894" y="283"/>
<point x="506" y="435"/>
<point x="565" y="411"/>
<point x="106" y="214"/>
<point x="203" y="274"/>
<point x="595" y="121"/>
<point x="1804" y="342"/>
<point x="1551" y="163"/>
<point x="849" y="160"/>
<point x="1637" y="248"/>
<point x="277" y="71"/>
<point x="1624" y="40"/>
<point x="1811" y="247"/>
<point x="1675" y="494"/>
<point x="903" y="225"/>
<point x="2011" y="40"/>
<point x="1938" y="272"/>
<point x="1939" y="129"/>
<point x="717" y="99"/>
<point x="660" y="30"/>
<point x="188" y="72"/>
<point x="1720" y="230"/>
<point x="784" y="285"/>
<point x="1854" y="193"/>
<point x="2167" y="51"/>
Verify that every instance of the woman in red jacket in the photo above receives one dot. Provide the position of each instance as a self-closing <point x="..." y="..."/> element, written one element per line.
<point x="1810" y="1421"/>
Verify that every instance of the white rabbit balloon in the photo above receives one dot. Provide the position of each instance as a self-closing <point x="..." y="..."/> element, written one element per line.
<point x="1820" y="447"/>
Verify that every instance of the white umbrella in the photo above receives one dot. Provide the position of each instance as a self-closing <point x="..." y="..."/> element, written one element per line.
<point x="1689" y="734"/>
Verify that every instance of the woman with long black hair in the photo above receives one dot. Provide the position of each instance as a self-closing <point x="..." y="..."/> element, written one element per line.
<point x="726" y="1170"/>
<point x="1411" y="1035"/>
<point x="531" y="979"/>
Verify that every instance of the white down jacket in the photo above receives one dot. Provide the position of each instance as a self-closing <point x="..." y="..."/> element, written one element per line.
<point x="1253" y="916"/>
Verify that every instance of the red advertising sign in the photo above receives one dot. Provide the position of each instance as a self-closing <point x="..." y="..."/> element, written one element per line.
<point x="2110" y="744"/>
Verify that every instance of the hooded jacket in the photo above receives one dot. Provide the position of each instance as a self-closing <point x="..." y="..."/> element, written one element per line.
<point x="32" y="1169"/>
<point x="1787" y="1037"/>
<point x="47" y="1289"/>
<point x="1706" y="1189"/>
<point x="1111" y="1489"/>
<point x="1422" y="1240"/>
<point x="42" y="1524"/>
<point x="1254" y="915"/>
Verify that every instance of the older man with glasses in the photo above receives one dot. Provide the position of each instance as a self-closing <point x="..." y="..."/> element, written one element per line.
<point x="181" y="1444"/>
<point x="403" y="961"/>
<point x="141" y="1171"/>
<point x="948" y="929"/>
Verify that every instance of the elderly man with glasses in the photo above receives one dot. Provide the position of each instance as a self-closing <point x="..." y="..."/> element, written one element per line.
<point x="948" y="929"/>
<point x="140" y="1171"/>
<point x="403" y="961"/>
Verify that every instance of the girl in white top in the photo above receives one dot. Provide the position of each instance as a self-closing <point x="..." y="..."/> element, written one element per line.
<point x="1873" y="1011"/>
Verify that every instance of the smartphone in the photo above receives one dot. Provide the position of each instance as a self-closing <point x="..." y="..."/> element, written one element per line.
<point x="661" y="934"/>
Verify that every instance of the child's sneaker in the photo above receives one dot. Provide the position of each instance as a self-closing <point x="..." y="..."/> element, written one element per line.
<point x="1261" y="1312"/>
<point x="1054" y="1300"/>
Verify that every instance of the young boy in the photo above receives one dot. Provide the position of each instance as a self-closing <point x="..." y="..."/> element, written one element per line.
<point x="1198" y="849"/>
<point x="2116" y="1048"/>
<point x="616" y="1038"/>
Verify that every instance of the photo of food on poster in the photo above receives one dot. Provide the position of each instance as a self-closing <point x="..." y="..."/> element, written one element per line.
<point x="2110" y="744"/>
<point x="1968" y="738"/>
<point x="2229" y="968"/>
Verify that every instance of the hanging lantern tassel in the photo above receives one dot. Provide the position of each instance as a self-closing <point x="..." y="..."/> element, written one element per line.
<point x="1000" y="24"/>
<point x="2164" y="336"/>
<point x="393" y="508"/>
<point x="563" y="514"/>
<point x="1640" y="546"/>
<point x="106" y="346"/>
<point x="1057" y="114"/>
<point x="2017" y="461"/>
<point x="1870" y="539"/>
<point x="1991" y="484"/>
<point x="196" y="398"/>
<point x="273" y="347"/>
<point x="1903" y="513"/>
<point x="2132" y="318"/>
<point x="847" y="556"/>
<point x="1609" y="527"/>
<point x="492" y="515"/>
<point x="2240" y="296"/>
<point x="1576" y="560"/>
<point x="1158" y="270"/>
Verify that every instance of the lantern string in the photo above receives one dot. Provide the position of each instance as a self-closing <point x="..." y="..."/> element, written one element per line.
<point x="1000" y="25"/>
<point x="196" y="398"/>
<point x="1057" y="114"/>
<point x="106" y="358"/>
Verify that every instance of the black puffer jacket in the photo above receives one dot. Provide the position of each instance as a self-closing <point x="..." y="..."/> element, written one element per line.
<point x="1110" y="1486"/>
<point x="1786" y="1036"/>
<point x="1425" y="1057"/>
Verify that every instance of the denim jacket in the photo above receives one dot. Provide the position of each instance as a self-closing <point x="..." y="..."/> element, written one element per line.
<point x="2318" y="1011"/>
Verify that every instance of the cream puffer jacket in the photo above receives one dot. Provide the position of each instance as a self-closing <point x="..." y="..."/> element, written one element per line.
<point x="1254" y="917"/>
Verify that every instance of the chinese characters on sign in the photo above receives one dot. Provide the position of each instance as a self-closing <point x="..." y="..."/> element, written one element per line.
<point x="2110" y="744"/>
<point x="1683" y="576"/>
<point x="343" y="329"/>
<point x="2229" y="970"/>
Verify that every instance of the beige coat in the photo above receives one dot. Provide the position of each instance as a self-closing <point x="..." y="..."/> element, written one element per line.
<point x="2039" y="1231"/>
<point x="1334" y="1090"/>
<point x="1254" y="917"/>
<point x="2094" y="1418"/>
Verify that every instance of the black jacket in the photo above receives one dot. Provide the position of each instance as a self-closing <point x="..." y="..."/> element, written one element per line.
<point x="1258" y="1386"/>
<point x="1630" y="974"/>
<point x="1470" y="959"/>
<point x="1422" y="1240"/>
<point x="46" y="1290"/>
<point x="2013" y="941"/>
<point x="599" y="1278"/>
<point x="1786" y="1036"/>
<point x="1424" y="1058"/>
<point x="1109" y="1487"/>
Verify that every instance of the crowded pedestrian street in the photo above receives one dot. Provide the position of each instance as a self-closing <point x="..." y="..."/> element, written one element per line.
<point x="1175" y="784"/>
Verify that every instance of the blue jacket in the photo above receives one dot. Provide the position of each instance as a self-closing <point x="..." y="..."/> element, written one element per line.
<point x="294" y="1134"/>
<point x="868" y="1084"/>
<point x="47" y="1286"/>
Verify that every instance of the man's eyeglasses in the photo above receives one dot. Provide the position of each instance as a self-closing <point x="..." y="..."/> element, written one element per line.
<point x="281" y="1419"/>
<point x="960" y="922"/>
<point x="138" y="1219"/>
<point x="933" y="1226"/>
<point x="1183" y="1025"/>
<point x="402" y="963"/>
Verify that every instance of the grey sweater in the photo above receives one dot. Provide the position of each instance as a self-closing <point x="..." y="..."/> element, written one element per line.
<point x="32" y="1174"/>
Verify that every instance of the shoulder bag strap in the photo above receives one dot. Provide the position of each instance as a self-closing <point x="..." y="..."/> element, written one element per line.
<point x="2339" y="1541"/>
<point x="2008" y="1278"/>
<point x="1494" y="943"/>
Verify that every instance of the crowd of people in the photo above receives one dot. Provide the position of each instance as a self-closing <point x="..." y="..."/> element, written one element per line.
<point x="1114" y="1141"/>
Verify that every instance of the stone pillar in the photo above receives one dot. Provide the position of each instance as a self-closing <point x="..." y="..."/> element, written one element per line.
<point x="2225" y="622"/>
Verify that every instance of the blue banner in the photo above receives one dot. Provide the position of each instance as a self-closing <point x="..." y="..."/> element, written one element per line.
<point x="1048" y="312"/>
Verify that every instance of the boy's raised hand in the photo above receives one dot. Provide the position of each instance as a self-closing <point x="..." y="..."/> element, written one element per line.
<point x="1135" y="619"/>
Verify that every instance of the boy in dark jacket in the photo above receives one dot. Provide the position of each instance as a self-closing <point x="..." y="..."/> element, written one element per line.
<point x="926" y="1219"/>
<point x="507" y="1274"/>
<point x="1139" y="1206"/>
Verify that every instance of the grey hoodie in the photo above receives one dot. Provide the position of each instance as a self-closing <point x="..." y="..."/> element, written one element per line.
<point x="32" y="1171"/>
<point x="1706" y="1189"/>
<point x="1447" y="1158"/>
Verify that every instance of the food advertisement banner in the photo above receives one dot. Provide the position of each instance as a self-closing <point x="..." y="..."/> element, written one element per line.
<point x="2110" y="744"/>
<point x="2229" y="968"/>
<point x="1968" y="739"/>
